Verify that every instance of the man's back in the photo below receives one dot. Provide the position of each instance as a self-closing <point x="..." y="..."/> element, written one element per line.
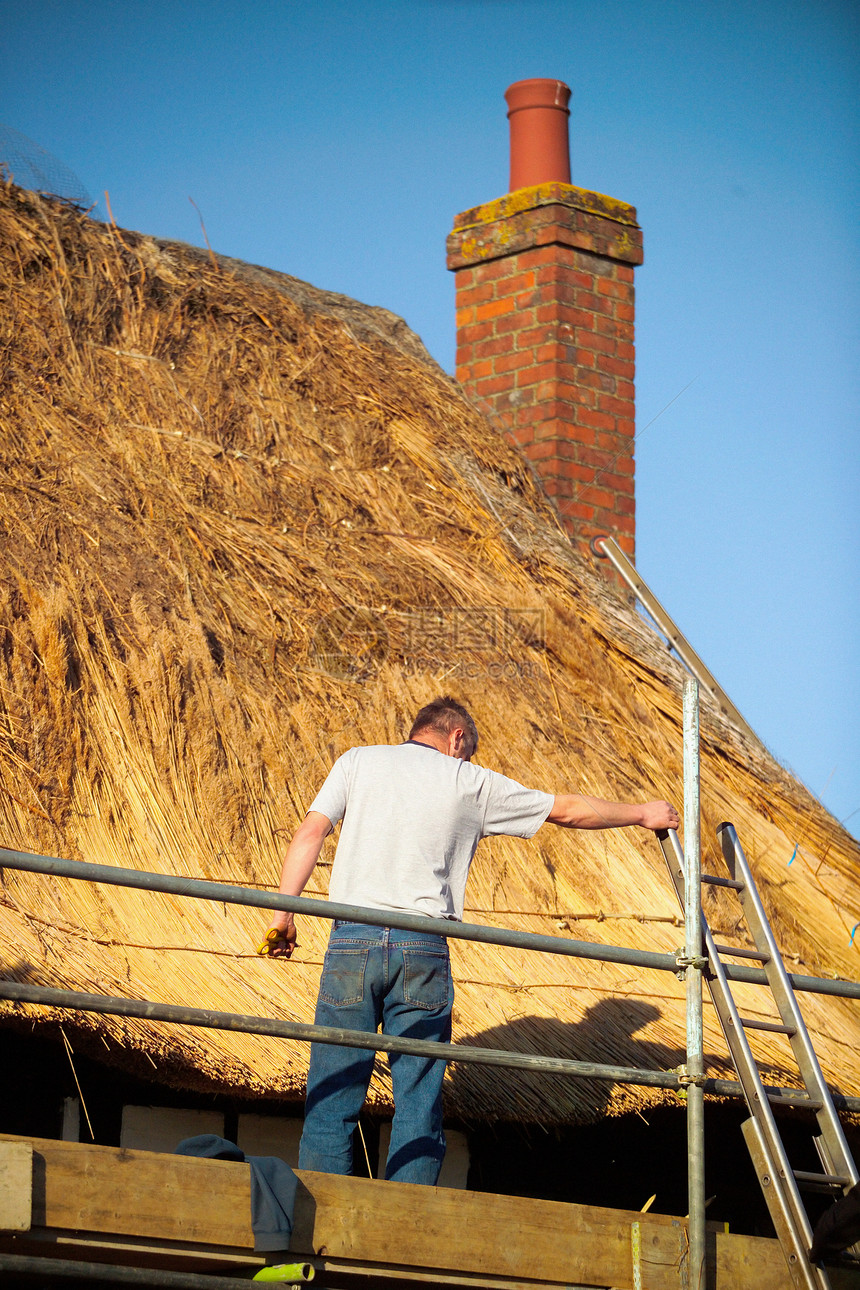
<point x="412" y="818"/>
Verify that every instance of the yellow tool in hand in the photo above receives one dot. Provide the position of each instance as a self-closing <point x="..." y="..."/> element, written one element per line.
<point x="275" y="939"/>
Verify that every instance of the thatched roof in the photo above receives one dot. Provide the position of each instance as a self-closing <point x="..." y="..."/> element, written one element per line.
<point x="246" y="524"/>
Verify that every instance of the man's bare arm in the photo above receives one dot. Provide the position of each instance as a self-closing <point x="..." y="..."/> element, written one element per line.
<point x="299" y="863"/>
<point x="573" y="811"/>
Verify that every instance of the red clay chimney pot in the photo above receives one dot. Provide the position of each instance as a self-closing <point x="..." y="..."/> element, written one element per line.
<point x="538" y="113"/>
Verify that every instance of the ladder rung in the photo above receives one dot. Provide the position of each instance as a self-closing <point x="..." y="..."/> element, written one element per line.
<point x="732" y="952"/>
<point x="723" y="882"/>
<point x="821" y="1180"/>
<point x="749" y="1023"/>
<point x="805" y="1103"/>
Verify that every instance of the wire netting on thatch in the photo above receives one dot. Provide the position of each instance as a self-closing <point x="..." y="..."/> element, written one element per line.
<point x="29" y="165"/>
<point x="246" y="524"/>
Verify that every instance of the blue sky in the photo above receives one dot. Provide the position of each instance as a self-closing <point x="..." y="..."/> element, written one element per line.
<point x="336" y="142"/>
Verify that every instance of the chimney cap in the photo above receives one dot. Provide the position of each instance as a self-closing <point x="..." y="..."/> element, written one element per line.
<point x="538" y="92"/>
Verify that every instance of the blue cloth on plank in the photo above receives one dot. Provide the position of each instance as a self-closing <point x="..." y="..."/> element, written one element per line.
<point x="273" y="1189"/>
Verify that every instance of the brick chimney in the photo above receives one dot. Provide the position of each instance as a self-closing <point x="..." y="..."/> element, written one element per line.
<point x="544" y="289"/>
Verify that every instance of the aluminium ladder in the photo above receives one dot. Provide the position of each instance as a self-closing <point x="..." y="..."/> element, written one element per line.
<point x="780" y="1183"/>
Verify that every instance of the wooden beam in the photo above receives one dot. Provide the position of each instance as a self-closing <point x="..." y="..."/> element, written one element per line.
<point x="751" y="1261"/>
<point x="104" y="1190"/>
<point x="141" y="1193"/>
<point x="130" y="1251"/>
<point x="382" y="1275"/>
<point x="502" y="1236"/>
<point x="169" y="1206"/>
<point x="16" y="1186"/>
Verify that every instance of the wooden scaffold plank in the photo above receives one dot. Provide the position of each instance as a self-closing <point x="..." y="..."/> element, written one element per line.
<point x="137" y="1207"/>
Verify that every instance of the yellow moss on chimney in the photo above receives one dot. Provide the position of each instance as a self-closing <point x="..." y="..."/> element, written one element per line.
<point x="525" y="199"/>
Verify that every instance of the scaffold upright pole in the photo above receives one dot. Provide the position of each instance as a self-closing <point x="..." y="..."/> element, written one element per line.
<point x="693" y="982"/>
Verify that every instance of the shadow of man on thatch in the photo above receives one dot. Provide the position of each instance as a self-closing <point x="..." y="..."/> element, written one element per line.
<point x="604" y="1035"/>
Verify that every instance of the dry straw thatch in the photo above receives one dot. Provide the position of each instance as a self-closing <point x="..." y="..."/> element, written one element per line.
<point x="246" y="524"/>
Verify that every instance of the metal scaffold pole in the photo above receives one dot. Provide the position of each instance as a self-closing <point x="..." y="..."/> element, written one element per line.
<point x="693" y="980"/>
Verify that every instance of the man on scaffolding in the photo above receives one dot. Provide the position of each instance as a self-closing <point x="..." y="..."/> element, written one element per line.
<point x="413" y="815"/>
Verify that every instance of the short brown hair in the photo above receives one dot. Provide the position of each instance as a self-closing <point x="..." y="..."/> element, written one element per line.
<point x="445" y="714"/>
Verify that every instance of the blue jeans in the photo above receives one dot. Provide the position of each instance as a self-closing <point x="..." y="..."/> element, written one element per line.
<point x="376" y="976"/>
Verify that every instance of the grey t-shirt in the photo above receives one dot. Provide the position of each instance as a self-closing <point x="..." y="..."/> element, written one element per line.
<point x="412" y="818"/>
